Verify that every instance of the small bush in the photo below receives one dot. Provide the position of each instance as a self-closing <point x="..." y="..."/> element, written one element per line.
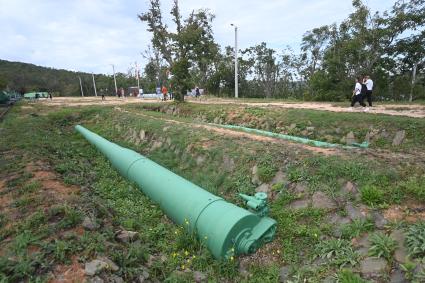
<point x="347" y="276"/>
<point x="382" y="246"/>
<point x="371" y="195"/>
<point x="338" y="252"/>
<point x="415" y="240"/>
<point x="357" y="227"/>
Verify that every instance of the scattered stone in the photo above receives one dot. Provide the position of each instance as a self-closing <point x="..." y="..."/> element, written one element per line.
<point x="156" y="144"/>
<point x="338" y="220"/>
<point x="300" y="189"/>
<point x="350" y="188"/>
<point x="255" y="178"/>
<point x="145" y="275"/>
<point x="338" y="130"/>
<point x="90" y="223"/>
<point x="322" y="201"/>
<point x="200" y="159"/>
<point x="96" y="279"/>
<point x="329" y="279"/>
<point x="292" y="126"/>
<point x="126" y="236"/>
<point x="168" y="141"/>
<point x="300" y="204"/>
<point x="353" y="212"/>
<point x="199" y="276"/>
<point x="216" y="120"/>
<point x="379" y="220"/>
<point x="116" y="279"/>
<point x="400" y="254"/>
<point x="280" y="177"/>
<point x="350" y="138"/>
<point x="111" y="265"/>
<point x="95" y="266"/>
<point x="384" y="134"/>
<point x="142" y="135"/>
<point x="399" y="138"/>
<point x="228" y="164"/>
<point x="264" y="188"/>
<point x="310" y="129"/>
<point x="362" y="242"/>
<point x="372" y="266"/>
<point x="363" y="252"/>
<point x="397" y="276"/>
<point x="284" y="273"/>
<point x="165" y="129"/>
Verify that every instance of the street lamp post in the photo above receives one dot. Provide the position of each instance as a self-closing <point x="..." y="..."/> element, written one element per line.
<point x="236" y="60"/>
<point x="115" y="80"/>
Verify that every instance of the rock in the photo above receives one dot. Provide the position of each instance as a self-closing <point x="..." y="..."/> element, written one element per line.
<point x="300" y="204"/>
<point x="126" y="236"/>
<point x="379" y="220"/>
<point x="96" y="279"/>
<point x="400" y="254"/>
<point x="354" y="213"/>
<point x="284" y="273"/>
<point x="255" y="178"/>
<point x="228" y="164"/>
<point x="399" y="138"/>
<point x="362" y="242"/>
<point x="90" y="223"/>
<point x="384" y="134"/>
<point x="300" y="189"/>
<point x="350" y="188"/>
<point x="329" y="279"/>
<point x="338" y="130"/>
<point x="115" y="279"/>
<point x="216" y="120"/>
<point x="199" y="277"/>
<point x="265" y="188"/>
<point x="338" y="220"/>
<point x="111" y="265"/>
<point x="397" y="276"/>
<point x="363" y="251"/>
<point x="156" y="144"/>
<point x="145" y="275"/>
<point x="350" y="138"/>
<point x="292" y="126"/>
<point x="142" y="135"/>
<point x="280" y="177"/>
<point x="373" y="267"/>
<point x="310" y="129"/>
<point x="95" y="266"/>
<point x="200" y="159"/>
<point x="322" y="201"/>
<point x="168" y="141"/>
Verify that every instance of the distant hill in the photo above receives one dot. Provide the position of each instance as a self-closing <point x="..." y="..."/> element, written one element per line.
<point x="24" y="77"/>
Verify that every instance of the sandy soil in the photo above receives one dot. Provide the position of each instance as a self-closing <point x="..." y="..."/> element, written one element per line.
<point x="409" y="110"/>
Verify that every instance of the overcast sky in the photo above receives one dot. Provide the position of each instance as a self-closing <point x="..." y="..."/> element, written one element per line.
<point x="89" y="35"/>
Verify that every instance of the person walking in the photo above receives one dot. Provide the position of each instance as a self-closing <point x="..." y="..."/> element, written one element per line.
<point x="164" y="92"/>
<point x="357" y="94"/>
<point x="369" y="86"/>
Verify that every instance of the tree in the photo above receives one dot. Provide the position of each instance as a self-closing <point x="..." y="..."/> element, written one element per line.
<point x="186" y="47"/>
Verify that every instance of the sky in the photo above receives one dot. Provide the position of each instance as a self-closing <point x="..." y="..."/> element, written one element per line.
<point x="90" y="35"/>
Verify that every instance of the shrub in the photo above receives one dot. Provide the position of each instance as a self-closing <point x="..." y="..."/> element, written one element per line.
<point x="382" y="245"/>
<point x="415" y="240"/>
<point x="371" y="195"/>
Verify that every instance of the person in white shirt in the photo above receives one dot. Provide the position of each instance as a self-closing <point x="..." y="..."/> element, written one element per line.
<point x="369" y="86"/>
<point x="357" y="97"/>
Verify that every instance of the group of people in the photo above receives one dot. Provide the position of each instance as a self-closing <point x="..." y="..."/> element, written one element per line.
<point x="362" y="90"/>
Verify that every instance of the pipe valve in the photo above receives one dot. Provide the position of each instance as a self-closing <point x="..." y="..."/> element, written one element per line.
<point x="257" y="203"/>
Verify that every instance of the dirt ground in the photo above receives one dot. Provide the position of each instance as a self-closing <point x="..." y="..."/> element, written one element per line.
<point x="408" y="110"/>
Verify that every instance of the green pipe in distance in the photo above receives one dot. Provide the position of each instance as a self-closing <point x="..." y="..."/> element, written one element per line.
<point x="293" y="138"/>
<point x="225" y="228"/>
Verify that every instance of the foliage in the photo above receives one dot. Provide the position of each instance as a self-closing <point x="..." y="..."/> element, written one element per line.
<point x="347" y="276"/>
<point x="372" y="195"/>
<point x="338" y="251"/>
<point x="382" y="245"/>
<point x="415" y="240"/>
<point x="356" y="228"/>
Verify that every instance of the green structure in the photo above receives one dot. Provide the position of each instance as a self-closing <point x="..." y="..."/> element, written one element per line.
<point x="36" y="94"/>
<point x="225" y="228"/>
<point x="293" y="138"/>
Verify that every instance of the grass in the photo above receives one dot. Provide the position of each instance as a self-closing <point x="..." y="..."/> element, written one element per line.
<point x="164" y="250"/>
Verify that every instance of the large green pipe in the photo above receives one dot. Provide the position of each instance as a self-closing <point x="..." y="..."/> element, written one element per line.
<point x="225" y="228"/>
<point x="293" y="138"/>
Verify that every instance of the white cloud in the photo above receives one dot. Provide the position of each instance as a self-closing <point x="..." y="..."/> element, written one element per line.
<point x="88" y="35"/>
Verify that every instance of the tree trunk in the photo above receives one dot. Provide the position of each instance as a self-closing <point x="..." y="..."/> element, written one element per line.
<point x="415" y="66"/>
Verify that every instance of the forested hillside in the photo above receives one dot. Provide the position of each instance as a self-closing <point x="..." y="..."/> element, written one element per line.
<point x="25" y="77"/>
